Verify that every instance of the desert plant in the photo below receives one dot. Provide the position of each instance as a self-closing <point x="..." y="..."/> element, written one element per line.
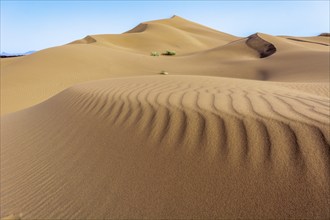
<point x="169" y="53"/>
<point x="154" y="53"/>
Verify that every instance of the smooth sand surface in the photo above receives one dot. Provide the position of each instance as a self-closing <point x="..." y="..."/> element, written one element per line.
<point x="92" y="130"/>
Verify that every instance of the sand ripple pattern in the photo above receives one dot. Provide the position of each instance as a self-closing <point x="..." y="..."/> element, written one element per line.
<point x="169" y="147"/>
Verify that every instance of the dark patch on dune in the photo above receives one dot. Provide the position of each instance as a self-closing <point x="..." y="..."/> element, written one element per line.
<point x="140" y="28"/>
<point x="89" y="39"/>
<point x="10" y="56"/>
<point x="86" y="40"/>
<point x="263" y="75"/>
<point x="325" y="35"/>
<point x="264" y="48"/>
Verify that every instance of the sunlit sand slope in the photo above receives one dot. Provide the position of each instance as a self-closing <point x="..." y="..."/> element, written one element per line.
<point x="200" y="50"/>
<point x="169" y="147"/>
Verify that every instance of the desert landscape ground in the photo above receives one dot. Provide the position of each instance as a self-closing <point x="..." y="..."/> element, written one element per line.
<point x="238" y="127"/>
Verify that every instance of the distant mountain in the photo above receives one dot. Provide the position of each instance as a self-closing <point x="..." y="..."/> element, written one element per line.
<point x="17" y="54"/>
<point x="5" y="54"/>
<point x="29" y="52"/>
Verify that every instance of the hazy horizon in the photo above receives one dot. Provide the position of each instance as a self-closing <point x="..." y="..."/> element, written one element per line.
<point x="35" y="25"/>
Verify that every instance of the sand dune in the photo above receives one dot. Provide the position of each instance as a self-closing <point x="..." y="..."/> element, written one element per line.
<point x="198" y="147"/>
<point x="175" y="33"/>
<point x="264" y="48"/>
<point x="8" y="61"/>
<point x="322" y="39"/>
<point x="200" y="51"/>
<point x="239" y="128"/>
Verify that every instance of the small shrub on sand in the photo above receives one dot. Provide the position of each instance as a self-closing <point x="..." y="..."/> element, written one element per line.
<point x="154" y="54"/>
<point x="169" y="53"/>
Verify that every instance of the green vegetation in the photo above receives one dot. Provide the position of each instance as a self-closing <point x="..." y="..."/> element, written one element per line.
<point x="155" y="54"/>
<point x="169" y="53"/>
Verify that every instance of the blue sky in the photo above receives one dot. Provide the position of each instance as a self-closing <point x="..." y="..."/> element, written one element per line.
<point x="36" y="25"/>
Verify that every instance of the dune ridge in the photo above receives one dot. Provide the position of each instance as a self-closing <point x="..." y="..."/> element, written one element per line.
<point x="263" y="47"/>
<point x="308" y="41"/>
<point x="29" y="80"/>
<point x="239" y="127"/>
<point x="212" y="131"/>
<point x="175" y="33"/>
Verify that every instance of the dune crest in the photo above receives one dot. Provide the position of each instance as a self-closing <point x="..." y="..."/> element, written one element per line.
<point x="173" y="31"/>
<point x="263" y="47"/>
<point x="199" y="51"/>
<point x="225" y="141"/>
<point x="106" y="127"/>
<point x="139" y="28"/>
<point x="86" y="40"/>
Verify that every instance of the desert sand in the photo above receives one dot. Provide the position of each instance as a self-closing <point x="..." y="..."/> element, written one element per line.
<point x="239" y="128"/>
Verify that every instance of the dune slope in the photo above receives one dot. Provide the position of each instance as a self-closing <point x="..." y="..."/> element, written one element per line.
<point x="32" y="79"/>
<point x="175" y="33"/>
<point x="169" y="147"/>
<point x="239" y="127"/>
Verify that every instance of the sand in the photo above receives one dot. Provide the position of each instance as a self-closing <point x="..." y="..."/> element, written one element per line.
<point x="236" y="129"/>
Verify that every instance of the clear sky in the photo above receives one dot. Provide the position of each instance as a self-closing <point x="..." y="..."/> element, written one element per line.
<point x="36" y="25"/>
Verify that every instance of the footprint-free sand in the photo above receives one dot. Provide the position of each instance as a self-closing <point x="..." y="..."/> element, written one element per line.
<point x="239" y="128"/>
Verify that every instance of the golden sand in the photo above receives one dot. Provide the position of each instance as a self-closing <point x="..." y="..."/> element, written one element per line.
<point x="93" y="130"/>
